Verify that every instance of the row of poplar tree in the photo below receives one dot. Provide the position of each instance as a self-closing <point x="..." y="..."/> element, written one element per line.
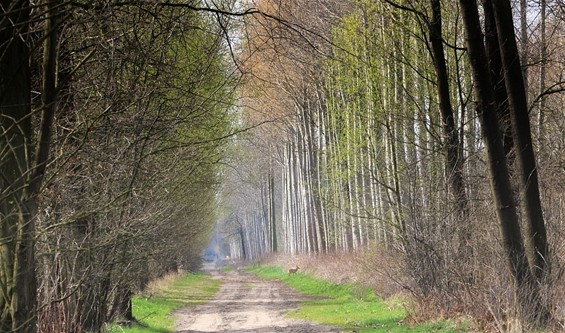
<point x="432" y="127"/>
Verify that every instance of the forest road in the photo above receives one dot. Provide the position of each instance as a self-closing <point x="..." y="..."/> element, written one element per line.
<point x="246" y="303"/>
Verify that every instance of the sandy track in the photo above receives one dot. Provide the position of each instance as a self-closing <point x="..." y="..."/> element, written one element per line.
<point x="246" y="303"/>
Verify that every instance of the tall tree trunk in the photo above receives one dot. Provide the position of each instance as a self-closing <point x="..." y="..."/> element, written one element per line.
<point x="517" y="99"/>
<point x="244" y="250"/>
<point x="452" y="144"/>
<point x="527" y="290"/>
<point x="17" y="261"/>
<point x="543" y="60"/>
<point x="524" y="41"/>
<point x="313" y="175"/>
<point x="497" y="78"/>
<point x="272" y="208"/>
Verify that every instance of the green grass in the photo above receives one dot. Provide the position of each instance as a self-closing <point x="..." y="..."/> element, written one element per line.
<point x="153" y="313"/>
<point x="349" y="306"/>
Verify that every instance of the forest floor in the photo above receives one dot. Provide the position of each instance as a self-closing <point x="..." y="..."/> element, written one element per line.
<point x="246" y="303"/>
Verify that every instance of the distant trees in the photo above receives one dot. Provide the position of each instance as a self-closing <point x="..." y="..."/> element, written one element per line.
<point x="288" y="93"/>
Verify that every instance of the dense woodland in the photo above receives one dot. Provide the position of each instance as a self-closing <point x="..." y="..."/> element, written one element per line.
<point x="432" y="128"/>
<point x="115" y="118"/>
<point x="131" y="131"/>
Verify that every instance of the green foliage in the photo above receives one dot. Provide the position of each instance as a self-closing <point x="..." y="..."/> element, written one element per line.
<point x="153" y="314"/>
<point x="350" y="306"/>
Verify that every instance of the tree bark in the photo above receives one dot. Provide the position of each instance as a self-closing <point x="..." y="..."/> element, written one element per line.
<point x="543" y="61"/>
<point x="515" y="86"/>
<point x="244" y="251"/>
<point x="524" y="50"/>
<point x="17" y="261"/>
<point x="272" y="209"/>
<point x="497" y="78"/>
<point x="452" y="144"/>
<point x="527" y="290"/>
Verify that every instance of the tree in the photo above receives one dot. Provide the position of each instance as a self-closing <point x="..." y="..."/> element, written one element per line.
<point x="453" y="147"/>
<point x="518" y="104"/>
<point x="17" y="257"/>
<point x="528" y="294"/>
<point x="131" y="112"/>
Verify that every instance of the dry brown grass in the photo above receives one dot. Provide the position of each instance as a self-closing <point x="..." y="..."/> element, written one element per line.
<point x="160" y="284"/>
<point x="373" y="266"/>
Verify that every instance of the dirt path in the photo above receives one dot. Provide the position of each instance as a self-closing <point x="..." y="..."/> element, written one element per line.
<point x="246" y="304"/>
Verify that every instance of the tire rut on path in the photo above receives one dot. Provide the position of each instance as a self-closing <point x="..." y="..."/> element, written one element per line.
<point x="244" y="304"/>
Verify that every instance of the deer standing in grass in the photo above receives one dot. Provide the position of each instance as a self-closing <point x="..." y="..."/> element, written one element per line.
<point x="293" y="270"/>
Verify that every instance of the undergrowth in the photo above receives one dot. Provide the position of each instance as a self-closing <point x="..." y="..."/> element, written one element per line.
<point x="350" y="306"/>
<point x="152" y="309"/>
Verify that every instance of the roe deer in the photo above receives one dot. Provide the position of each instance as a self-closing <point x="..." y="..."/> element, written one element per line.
<point x="292" y="270"/>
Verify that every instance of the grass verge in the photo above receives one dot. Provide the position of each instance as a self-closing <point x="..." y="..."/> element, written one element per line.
<point x="352" y="307"/>
<point x="153" y="313"/>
